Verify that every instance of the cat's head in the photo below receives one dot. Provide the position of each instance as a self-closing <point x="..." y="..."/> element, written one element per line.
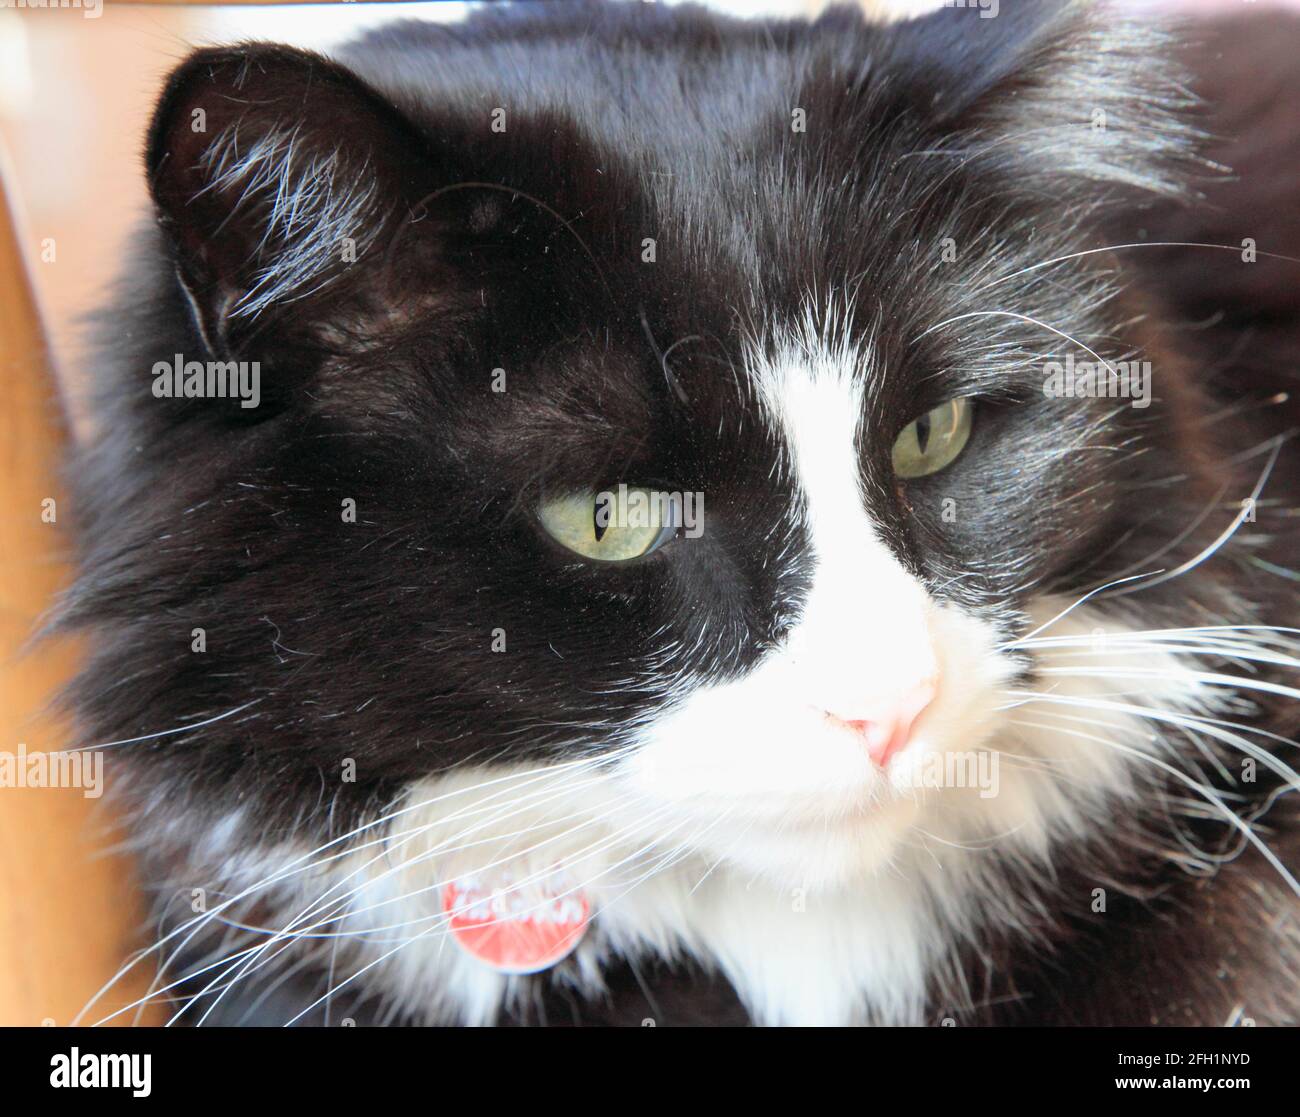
<point x="655" y="399"/>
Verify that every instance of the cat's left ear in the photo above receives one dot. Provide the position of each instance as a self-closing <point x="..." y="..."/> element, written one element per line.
<point x="274" y="172"/>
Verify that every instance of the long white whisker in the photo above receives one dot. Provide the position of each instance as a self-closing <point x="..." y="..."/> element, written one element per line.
<point x="1140" y="244"/>
<point x="1246" y="507"/>
<point x="1209" y="795"/>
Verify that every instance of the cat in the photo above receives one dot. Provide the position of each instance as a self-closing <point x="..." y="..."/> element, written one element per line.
<point x="667" y="574"/>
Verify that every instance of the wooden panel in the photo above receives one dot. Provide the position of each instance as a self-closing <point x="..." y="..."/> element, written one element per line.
<point x="68" y="914"/>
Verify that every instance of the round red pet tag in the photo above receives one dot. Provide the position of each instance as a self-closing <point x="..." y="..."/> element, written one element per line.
<point x="516" y="928"/>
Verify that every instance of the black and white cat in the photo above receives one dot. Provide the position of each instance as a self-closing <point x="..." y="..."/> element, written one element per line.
<point x="733" y="501"/>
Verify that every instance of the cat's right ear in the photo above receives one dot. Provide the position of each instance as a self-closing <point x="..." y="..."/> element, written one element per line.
<point x="1067" y="98"/>
<point x="274" y="171"/>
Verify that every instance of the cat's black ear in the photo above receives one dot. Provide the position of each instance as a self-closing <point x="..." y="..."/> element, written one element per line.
<point x="1064" y="94"/>
<point x="274" y="172"/>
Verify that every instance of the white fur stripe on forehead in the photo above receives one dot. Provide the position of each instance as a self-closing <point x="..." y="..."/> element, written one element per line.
<point x="803" y="374"/>
<point x="810" y="384"/>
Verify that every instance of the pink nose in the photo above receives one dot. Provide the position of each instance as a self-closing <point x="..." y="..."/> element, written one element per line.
<point x="887" y="733"/>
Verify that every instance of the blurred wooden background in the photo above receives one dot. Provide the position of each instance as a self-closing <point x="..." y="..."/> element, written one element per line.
<point x="68" y="914"/>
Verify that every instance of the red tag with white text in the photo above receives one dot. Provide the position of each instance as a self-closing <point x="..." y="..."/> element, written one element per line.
<point x="516" y="928"/>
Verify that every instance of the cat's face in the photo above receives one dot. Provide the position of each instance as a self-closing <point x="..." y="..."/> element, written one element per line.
<point x="809" y="298"/>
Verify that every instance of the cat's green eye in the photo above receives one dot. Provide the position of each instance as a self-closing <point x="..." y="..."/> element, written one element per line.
<point x="609" y="526"/>
<point x="933" y="440"/>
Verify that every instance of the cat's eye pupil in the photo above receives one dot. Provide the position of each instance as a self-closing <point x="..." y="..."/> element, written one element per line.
<point x="923" y="431"/>
<point x="616" y="525"/>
